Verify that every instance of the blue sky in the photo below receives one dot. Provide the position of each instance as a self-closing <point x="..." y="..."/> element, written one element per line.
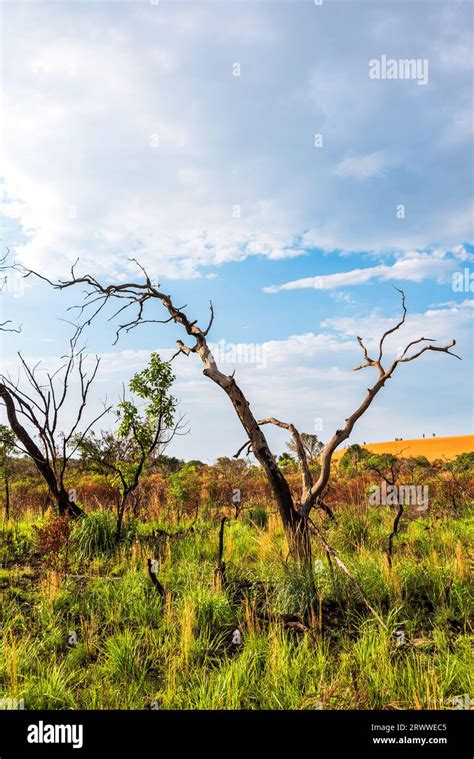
<point x="126" y="133"/>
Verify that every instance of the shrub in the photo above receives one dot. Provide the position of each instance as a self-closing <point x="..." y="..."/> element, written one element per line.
<point x="52" y="540"/>
<point x="353" y="459"/>
<point x="464" y="462"/>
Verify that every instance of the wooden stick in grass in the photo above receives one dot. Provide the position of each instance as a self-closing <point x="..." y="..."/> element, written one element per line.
<point x="331" y="552"/>
<point x="152" y="571"/>
<point x="220" y="569"/>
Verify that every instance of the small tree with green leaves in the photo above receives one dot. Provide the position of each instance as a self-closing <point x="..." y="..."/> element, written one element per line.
<point x="141" y="434"/>
<point x="312" y="446"/>
<point x="7" y="448"/>
<point x="353" y="459"/>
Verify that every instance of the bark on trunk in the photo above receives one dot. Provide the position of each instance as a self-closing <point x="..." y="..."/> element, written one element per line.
<point x="65" y="506"/>
<point x="299" y="539"/>
<point x="120" y="515"/>
<point x="294" y="524"/>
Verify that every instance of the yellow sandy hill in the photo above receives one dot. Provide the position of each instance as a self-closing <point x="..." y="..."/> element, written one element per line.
<point x="431" y="447"/>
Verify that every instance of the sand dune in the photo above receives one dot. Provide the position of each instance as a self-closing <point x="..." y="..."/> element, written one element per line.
<point x="432" y="447"/>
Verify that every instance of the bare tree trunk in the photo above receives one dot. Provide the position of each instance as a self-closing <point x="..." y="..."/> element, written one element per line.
<point x="65" y="505"/>
<point x="151" y="571"/>
<point x="299" y="539"/>
<point x="393" y="533"/>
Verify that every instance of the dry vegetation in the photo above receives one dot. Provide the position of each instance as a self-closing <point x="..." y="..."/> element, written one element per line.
<point x="307" y="640"/>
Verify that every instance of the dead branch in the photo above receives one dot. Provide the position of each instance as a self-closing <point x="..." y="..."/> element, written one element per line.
<point x="306" y="479"/>
<point x="152" y="566"/>
<point x="383" y="375"/>
<point x="5" y="326"/>
<point x="394" y="532"/>
<point x="332" y="553"/>
<point x="36" y="414"/>
<point x="220" y="570"/>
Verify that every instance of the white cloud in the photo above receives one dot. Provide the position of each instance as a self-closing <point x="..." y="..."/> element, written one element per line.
<point x="113" y="152"/>
<point x="364" y="166"/>
<point x="414" y="266"/>
<point x="341" y="297"/>
<point x="441" y="324"/>
<point x="87" y="88"/>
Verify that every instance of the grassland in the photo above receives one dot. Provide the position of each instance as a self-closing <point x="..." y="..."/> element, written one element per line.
<point x="306" y="642"/>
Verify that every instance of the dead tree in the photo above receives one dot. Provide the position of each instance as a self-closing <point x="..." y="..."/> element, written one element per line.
<point x="7" y="447"/>
<point x="390" y="477"/>
<point x="294" y="513"/>
<point x="34" y="418"/>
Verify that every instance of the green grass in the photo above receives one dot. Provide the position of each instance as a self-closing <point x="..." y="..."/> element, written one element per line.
<point x="135" y="650"/>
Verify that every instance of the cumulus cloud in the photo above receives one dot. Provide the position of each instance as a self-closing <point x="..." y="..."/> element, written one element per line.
<point x="447" y="322"/>
<point x="125" y="133"/>
<point x="414" y="266"/>
<point x="362" y="167"/>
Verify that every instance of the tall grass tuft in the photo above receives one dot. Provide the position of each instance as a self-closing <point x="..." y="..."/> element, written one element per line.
<point x="95" y="533"/>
